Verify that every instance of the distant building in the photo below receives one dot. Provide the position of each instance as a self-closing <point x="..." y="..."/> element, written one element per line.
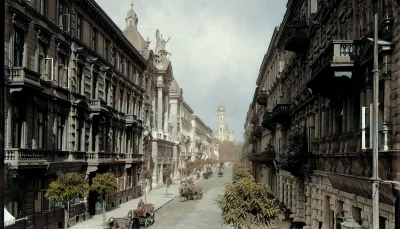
<point x="222" y="132"/>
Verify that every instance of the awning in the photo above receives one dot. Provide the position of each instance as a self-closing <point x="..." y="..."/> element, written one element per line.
<point x="361" y="187"/>
<point x="8" y="218"/>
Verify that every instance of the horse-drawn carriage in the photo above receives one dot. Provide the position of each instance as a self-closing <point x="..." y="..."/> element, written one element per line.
<point x="142" y="216"/>
<point x="188" y="191"/>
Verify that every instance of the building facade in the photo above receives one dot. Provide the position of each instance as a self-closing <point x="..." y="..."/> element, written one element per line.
<point x="75" y="102"/>
<point x="222" y="132"/>
<point x="202" y="144"/>
<point x="315" y="84"/>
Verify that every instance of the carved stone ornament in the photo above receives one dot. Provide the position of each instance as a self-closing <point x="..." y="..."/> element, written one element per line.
<point x="20" y="19"/>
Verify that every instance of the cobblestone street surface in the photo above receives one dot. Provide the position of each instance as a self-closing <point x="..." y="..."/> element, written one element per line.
<point x="157" y="197"/>
<point x="198" y="214"/>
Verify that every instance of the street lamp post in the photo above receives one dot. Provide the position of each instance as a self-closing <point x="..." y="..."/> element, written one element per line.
<point x="375" y="129"/>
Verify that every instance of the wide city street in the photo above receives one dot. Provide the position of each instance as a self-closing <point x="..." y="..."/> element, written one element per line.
<point x="198" y="214"/>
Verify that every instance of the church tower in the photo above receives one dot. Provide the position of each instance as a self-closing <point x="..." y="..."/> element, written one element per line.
<point x="222" y="131"/>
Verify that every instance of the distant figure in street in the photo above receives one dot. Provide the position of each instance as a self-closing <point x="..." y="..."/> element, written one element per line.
<point x="141" y="205"/>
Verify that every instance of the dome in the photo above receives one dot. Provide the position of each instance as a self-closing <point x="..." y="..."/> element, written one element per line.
<point x="131" y="32"/>
<point x="221" y="108"/>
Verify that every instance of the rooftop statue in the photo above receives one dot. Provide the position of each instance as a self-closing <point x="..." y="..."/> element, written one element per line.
<point x="160" y="51"/>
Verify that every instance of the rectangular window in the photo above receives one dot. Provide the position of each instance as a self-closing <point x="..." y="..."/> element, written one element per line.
<point x="42" y="59"/>
<point x="79" y="72"/>
<point x="60" y="131"/>
<point x="94" y="85"/>
<point x="40" y="129"/>
<point x="79" y="26"/>
<point x="94" y="39"/>
<point x="19" y="41"/>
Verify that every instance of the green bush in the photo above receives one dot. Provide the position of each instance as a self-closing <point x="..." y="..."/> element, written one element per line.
<point x="247" y="204"/>
<point x="239" y="172"/>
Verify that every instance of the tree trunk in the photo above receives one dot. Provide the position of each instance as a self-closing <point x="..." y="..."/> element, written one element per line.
<point x="104" y="212"/>
<point x="66" y="215"/>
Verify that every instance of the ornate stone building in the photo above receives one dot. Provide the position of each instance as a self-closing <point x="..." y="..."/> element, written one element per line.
<point x="76" y="101"/>
<point x="222" y="132"/>
<point x="159" y="147"/>
<point x="202" y="144"/>
<point x="315" y="83"/>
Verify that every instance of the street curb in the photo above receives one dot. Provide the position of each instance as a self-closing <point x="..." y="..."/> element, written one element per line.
<point x="173" y="198"/>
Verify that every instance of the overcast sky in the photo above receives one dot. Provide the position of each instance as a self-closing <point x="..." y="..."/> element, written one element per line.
<point x="217" y="47"/>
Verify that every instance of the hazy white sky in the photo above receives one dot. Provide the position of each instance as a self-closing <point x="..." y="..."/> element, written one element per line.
<point x="217" y="47"/>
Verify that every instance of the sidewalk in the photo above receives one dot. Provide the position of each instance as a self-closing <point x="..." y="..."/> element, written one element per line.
<point x="157" y="197"/>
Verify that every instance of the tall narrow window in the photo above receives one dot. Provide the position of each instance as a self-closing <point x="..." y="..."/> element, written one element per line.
<point x="42" y="7"/>
<point x="94" y="39"/>
<point x="79" y="26"/>
<point x="81" y="131"/>
<point x="19" y="41"/>
<point x="106" y="91"/>
<point x="60" y="131"/>
<point x="128" y="100"/>
<point x="94" y="85"/>
<point x="106" y="49"/>
<point x="121" y="100"/>
<point x="42" y="59"/>
<point x="79" y="72"/>
<point x="115" y="97"/>
<point x="61" y="12"/>
<point x="62" y="66"/>
<point x="40" y="129"/>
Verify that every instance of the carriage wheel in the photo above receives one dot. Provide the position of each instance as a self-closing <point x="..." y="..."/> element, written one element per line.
<point x="153" y="218"/>
<point x="146" y="223"/>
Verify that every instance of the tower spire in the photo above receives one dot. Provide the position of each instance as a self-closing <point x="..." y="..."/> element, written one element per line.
<point x="132" y="4"/>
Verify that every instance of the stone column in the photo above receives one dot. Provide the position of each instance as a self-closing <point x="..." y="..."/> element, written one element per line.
<point x="175" y="161"/>
<point x="91" y="134"/>
<point x="317" y="124"/>
<point x="83" y="135"/>
<point x="349" y="115"/>
<point x="97" y="139"/>
<point x="344" y="117"/>
<point x="154" y="155"/>
<point x="334" y="122"/>
<point x="308" y="205"/>
<point x="8" y="141"/>
<point x="159" y="108"/>
<point x="330" y="121"/>
<point x="24" y="135"/>
<point x="323" y="123"/>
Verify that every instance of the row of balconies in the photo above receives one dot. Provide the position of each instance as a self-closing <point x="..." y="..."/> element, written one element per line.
<point x="23" y="157"/>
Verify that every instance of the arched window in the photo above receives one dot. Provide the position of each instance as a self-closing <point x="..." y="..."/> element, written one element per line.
<point x="130" y="23"/>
